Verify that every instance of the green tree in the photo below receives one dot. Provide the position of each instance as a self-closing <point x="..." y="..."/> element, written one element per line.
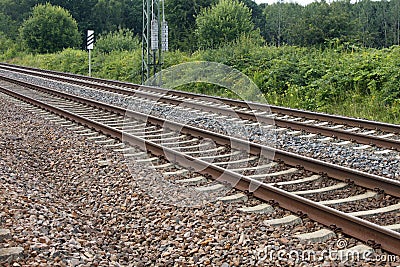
<point x="7" y="26"/>
<point x="257" y="16"/>
<point x="181" y="18"/>
<point x="108" y="15"/>
<point x="81" y="11"/>
<point x="394" y="7"/>
<point x="121" y="40"/>
<point x="133" y="17"/>
<point x="222" y="23"/>
<point x="50" y="29"/>
<point x="367" y="31"/>
<point x="17" y="10"/>
<point x="12" y="14"/>
<point x="321" y="22"/>
<point x="280" y="19"/>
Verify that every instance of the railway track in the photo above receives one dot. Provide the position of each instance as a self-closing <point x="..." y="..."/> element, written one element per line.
<point x="296" y="122"/>
<point x="296" y="182"/>
<point x="380" y="161"/>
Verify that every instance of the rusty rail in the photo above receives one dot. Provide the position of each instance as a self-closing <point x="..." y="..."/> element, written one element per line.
<point x="336" y="133"/>
<point x="363" y="230"/>
<point x="368" y="180"/>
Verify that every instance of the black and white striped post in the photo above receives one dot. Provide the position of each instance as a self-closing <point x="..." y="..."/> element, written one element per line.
<point x="89" y="45"/>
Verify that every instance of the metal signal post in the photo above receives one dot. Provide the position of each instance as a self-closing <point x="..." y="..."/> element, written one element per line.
<point x="89" y="45"/>
<point x="154" y="39"/>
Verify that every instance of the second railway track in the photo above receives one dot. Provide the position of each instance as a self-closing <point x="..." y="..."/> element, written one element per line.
<point x="368" y="133"/>
<point x="157" y="136"/>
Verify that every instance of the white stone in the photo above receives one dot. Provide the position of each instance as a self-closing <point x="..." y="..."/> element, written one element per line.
<point x="317" y="236"/>
<point x="210" y="188"/>
<point x="192" y="181"/>
<point x="366" y="195"/>
<point x="288" y="220"/>
<point x="240" y="197"/>
<point x="10" y="253"/>
<point x="262" y="208"/>
<point x="320" y="190"/>
<point x="298" y="181"/>
<point x="376" y="211"/>
<point x="288" y="171"/>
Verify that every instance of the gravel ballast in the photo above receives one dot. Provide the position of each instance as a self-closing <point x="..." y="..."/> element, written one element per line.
<point x="387" y="165"/>
<point x="66" y="209"/>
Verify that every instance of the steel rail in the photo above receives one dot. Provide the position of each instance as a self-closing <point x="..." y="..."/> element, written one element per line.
<point x="342" y="173"/>
<point x="358" y="228"/>
<point x="355" y="122"/>
<point x="326" y="131"/>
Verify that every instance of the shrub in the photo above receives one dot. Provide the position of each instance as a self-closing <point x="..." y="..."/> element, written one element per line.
<point x="50" y="29"/>
<point x="121" y="40"/>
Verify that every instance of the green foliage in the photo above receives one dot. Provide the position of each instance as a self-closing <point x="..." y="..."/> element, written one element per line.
<point x="108" y="15"/>
<point x="4" y="42"/>
<point x="320" y="22"/>
<point x="8" y="48"/>
<point x="118" y="65"/>
<point x="281" y="17"/>
<point x="176" y="57"/>
<point x="121" y="40"/>
<point x="68" y="60"/>
<point x="17" y="10"/>
<point x="50" y="29"/>
<point x="257" y="16"/>
<point x="363" y="83"/>
<point x="222" y="23"/>
<point x="365" y="23"/>
<point x="99" y="15"/>
<point x="81" y="11"/>
<point x="7" y="27"/>
<point x="181" y="18"/>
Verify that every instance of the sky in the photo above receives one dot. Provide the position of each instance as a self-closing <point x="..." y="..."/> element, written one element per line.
<point x="301" y="2"/>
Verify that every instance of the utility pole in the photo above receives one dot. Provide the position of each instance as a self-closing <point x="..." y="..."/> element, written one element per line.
<point x="154" y="39"/>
